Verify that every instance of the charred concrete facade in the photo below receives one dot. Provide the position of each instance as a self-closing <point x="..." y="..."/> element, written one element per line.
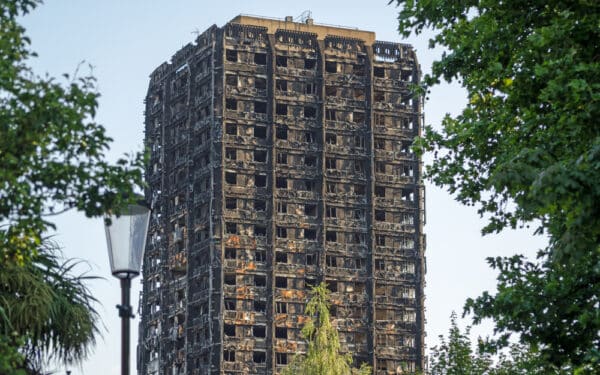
<point x="280" y="157"/>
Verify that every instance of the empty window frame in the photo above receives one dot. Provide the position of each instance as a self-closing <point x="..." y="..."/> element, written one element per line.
<point x="260" y="156"/>
<point x="281" y="332"/>
<point x="282" y="158"/>
<point x="331" y="236"/>
<point x="281" y="207"/>
<point x="379" y="72"/>
<point x="260" y="306"/>
<point x="260" y="230"/>
<point x="281" y="282"/>
<point x="260" y="180"/>
<point x="231" y="104"/>
<point x="231" y="55"/>
<point x="230" y="203"/>
<point x="260" y="280"/>
<point x="230" y="129"/>
<point x="331" y="66"/>
<point x="281" y="61"/>
<point x="281" y="358"/>
<point x="330" y="138"/>
<point x="281" y="132"/>
<point x="260" y="205"/>
<point x="310" y="209"/>
<point x="281" y="109"/>
<point x="260" y="83"/>
<point x="230" y="153"/>
<point x="310" y="63"/>
<point x="281" y="85"/>
<point x="260" y="107"/>
<point x="229" y="355"/>
<point x="231" y="80"/>
<point x="281" y="257"/>
<point x="281" y="183"/>
<point x="260" y="131"/>
<point x="231" y="228"/>
<point x="331" y="211"/>
<point x="281" y="307"/>
<point x="310" y="112"/>
<point x="260" y="58"/>
<point x="281" y="232"/>
<point x="229" y="330"/>
<point x="259" y="331"/>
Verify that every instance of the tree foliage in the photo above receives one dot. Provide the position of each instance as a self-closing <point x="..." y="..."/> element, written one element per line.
<point x="526" y="150"/>
<point x="456" y="355"/>
<point x="323" y="356"/>
<point x="49" y="306"/>
<point x="52" y="151"/>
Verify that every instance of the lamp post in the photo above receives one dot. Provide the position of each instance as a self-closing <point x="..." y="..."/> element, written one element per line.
<point x="126" y="239"/>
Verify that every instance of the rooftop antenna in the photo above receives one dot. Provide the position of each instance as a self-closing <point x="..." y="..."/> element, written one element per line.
<point x="304" y="16"/>
<point x="196" y="32"/>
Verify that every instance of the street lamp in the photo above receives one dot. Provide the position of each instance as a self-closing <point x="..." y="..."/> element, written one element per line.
<point x="126" y="239"/>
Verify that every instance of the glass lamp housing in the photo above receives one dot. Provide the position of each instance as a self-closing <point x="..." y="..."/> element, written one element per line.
<point x="126" y="239"/>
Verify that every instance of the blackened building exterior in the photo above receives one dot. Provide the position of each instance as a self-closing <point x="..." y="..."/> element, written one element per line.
<point x="280" y="157"/>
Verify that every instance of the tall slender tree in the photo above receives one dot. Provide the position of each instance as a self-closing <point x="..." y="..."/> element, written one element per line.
<point x="323" y="356"/>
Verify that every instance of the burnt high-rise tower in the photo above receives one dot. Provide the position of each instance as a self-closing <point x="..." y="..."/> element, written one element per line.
<point x="280" y="157"/>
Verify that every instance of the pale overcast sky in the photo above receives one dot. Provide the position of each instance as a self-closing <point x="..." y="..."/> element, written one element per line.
<point x="126" y="40"/>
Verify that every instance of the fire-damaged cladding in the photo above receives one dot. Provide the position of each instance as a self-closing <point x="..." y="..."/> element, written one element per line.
<point x="280" y="158"/>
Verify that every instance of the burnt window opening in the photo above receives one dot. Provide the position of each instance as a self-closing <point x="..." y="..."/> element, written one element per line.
<point x="231" y="104"/>
<point x="331" y="66"/>
<point x="379" y="264"/>
<point x="230" y="129"/>
<point x="311" y="259"/>
<point x="380" y="191"/>
<point x="282" y="207"/>
<point x="231" y="55"/>
<point x="379" y="71"/>
<point x="231" y="228"/>
<point x="231" y="80"/>
<point x="281" y="232"/>
<point x="281" y="109"/>
<point x="230" y="253"/>
<point x="281" y="183"/>
<point x="260" y="156"/>
<point x="229" y="279"/>
<point x="330" y="163"/>
<point x="408" y="195"/>
<point x="359" y="189"/>
<point x="259" y="331"/>
<point x="333" y="311"/>
<point x="310" y="209"/>
<point x="260" y="107"/>
<point x="331" y="236"/>
<point x="331" y="211"/>
<point x="379" y="144"/>
<point x="359" y="166"/>
<point x="229" y="330"/>
<point x="281" y="358"/>
<point x="379" y="215"/>
<point x="309" y="185"/>
<point x="358" y="70"/>
<point x="260" y="280"/>
<point x="281" y="85"/>
<point x="281" y="61"/>
<point x="330" y="91"/>
<point x="310" y="112"/>
<point x="358" y="117"/>
<point x="406" y="147"/>
<point x="380" y="240"/>
<point x="260" y="256"/>
<point x="332" y="286"/>
<point x="310" y="234"/>
<point x="281" y="257"/>
<point x="359" y="94"/>
<point x="359" y="141"/>
<point x="230" y="154"/>
<point x="281" y="308"/>
<point x="310" y="160"/>
<point x="330" y="115"/>
<point x="281" y="282"/>
<point x="260" y="131"/>
<point x="309" y="137"/>
<point x="406" y="75"/>
<point x="260" y="306"/>
<point x="380" y="167"/>
<point x="260" y="83"/>
<point x="259" y="357"/>
<point x="309" y="89"/>
<point x="260" y="180"/>
<point x="379" y="96"/>
<point x="281" y="158"/>
<point x="281" y="332"/>
<point x="229" y="304"/>
<point x="281" y="132"/>
<point x="260" y="231"/>
<point x="330" y="138"/>
<point x="379" y="119"/>
<point x="310" y="63"/>
<point x="359" y="263"/>
<point x="331" y="187"/>
<point x="229" y="355"/>
<point x="406" y="123"/>
<point x="331" y="261"/>
<point x="260" y="205"/>
<point x="230" y="203"/>
<point x="260" y="58"/>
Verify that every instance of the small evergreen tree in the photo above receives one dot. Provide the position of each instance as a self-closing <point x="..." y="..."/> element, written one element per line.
<point x="323" y="356"/>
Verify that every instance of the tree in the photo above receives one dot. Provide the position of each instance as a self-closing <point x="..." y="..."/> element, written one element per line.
<point x="52" y="154"/>
<point x="49" y="306"/>
<point x="456" y="355"/>
<point x="526" y="151"/>
<point x="323" y="356"/>
<point x="51" y="151"/>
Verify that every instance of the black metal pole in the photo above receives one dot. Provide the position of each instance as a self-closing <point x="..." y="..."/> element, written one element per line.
<point x="125" y="314"/>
